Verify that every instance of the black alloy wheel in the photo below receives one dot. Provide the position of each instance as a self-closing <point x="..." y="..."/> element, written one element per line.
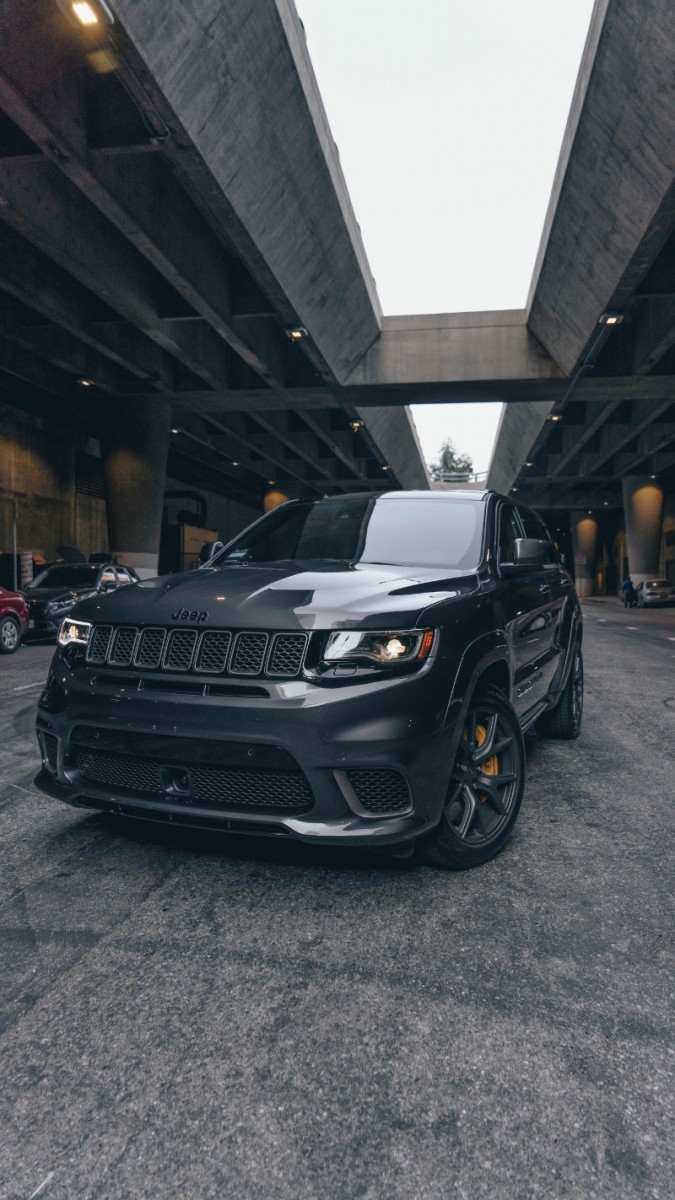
<point x="10" y="635"/>
<point x="486" y="786"/>
<point x="564" y="721"/>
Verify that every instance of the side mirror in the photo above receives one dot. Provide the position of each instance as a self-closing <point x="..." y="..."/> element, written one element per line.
<point x="528" y="554"/>
<point x="208" y="551"/>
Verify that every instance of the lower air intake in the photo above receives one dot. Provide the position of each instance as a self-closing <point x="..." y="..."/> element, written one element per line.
<point x="234" y="789"/>
<point x="380" y="792"/>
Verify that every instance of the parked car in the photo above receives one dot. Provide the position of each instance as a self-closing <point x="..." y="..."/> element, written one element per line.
<point x="13" y="620"/>
<point x="57" y="589"/>
<point x="355" y="671"/>
<point x="654" y="591"/>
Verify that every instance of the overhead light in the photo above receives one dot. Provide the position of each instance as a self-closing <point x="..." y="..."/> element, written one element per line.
<point x="235" y="463"/>
<point x="356" y="425"/>
<point x="515" y="489"/>
<point x="271" y="482"/>
<point x="86" y="12"/>
<point x="610" y="318"/>
<point x="84" y="382"/>
<point x="554" y="417"/>
<point x="297" y="333"/>
<point x="605" y="504"/>
<point x="174" y="430"/>
<point x="528" y="464"/>
<point x="386" y="468"/>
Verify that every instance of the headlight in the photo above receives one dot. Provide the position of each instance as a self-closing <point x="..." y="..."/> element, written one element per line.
<point x="382" y="648"/>
<point x="73" y="633"/>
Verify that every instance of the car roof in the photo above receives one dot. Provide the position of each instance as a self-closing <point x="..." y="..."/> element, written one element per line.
<point x="438" y="497"/>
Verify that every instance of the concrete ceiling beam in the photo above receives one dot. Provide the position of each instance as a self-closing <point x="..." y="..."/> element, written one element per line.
<point x="613" y="200"/>
<point x="280" y="196"/>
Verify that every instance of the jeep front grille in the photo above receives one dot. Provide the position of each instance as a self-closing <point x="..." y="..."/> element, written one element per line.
<point x="198" y="652"/>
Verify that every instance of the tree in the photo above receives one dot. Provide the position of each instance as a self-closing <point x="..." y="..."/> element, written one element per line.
<point x="450" y="462"/>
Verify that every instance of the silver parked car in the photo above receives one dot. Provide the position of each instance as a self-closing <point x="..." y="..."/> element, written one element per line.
<point x="655" y="591"/>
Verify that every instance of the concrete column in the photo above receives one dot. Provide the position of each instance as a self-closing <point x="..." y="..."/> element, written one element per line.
<point x="134" y="450"/>
<point x="643" y="514"/>
<point x="274" y="498"/>
<point x="584" y="545"/>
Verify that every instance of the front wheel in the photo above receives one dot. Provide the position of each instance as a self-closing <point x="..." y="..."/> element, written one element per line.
<point x="10" y="635"/>
<point x="486" y="786"/>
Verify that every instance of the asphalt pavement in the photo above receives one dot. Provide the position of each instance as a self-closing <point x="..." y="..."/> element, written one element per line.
<point x="202" y="1016"/>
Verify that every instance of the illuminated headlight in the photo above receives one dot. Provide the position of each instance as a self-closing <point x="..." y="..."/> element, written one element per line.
<point x="381" y="648"/>
<point x="73" y="633"/>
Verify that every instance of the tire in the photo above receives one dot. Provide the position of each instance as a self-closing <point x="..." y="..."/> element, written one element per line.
<point x="485" y="788"/>
<point x="10" y="635"/>
<point x="564" y="721"/>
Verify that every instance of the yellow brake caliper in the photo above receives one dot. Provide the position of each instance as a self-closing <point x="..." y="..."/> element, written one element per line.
<point x="491" y="765"/>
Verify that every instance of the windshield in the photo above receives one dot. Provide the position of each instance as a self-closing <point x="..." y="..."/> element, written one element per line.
<point x="67" y="576"/>
<point x="410" y="532"/>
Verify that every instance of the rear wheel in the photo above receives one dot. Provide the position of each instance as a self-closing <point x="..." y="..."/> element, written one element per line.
<point x="564" y="721"/>
<point x="10" y="635"/>
<point x="486" y="786"/>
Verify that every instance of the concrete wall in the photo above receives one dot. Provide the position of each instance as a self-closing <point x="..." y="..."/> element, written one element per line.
<point x="38" y="470"/>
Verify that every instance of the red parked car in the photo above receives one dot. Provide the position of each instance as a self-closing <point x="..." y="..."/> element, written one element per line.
<point x="13" y="620"/>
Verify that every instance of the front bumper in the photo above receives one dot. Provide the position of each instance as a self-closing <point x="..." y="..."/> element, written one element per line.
<point x="173" y="756"/>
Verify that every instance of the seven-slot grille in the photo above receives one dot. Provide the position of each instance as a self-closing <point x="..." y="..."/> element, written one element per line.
<point x="208" y="652"/>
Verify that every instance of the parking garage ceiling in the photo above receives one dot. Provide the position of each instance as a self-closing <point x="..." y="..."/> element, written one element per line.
<point x="126" y="270"/>
<point x="174" y="222"/>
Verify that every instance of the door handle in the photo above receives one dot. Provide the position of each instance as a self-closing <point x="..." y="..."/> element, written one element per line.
<point x="544" y="587"/>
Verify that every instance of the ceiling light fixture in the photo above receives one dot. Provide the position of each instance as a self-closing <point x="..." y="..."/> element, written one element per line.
<point x="554" y="417"/>
<point x="86" y="12"/>
<point x="297" y="333"/>
<point x="528" y="464"/>
<point x="356" y="425"/>
<point x="84" y="382"/>
<point x="610" y="318"/>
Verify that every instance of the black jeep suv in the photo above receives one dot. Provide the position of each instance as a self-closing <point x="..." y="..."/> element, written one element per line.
<point x="356" y="671"/>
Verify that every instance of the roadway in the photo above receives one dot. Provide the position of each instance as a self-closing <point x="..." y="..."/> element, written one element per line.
<point x="191" y="1016"/>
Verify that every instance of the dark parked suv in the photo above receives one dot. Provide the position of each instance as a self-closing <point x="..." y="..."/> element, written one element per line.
<point x="356" y="671"/>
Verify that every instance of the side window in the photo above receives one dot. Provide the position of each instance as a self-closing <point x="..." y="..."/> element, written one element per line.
<point x="122" y="575"/>
<point x="108" y="578"/>
<point x="535" y="528"/>
<point x="509" y="530"/>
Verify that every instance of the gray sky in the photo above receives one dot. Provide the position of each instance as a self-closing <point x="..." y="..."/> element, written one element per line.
<point x="448" y="116"/>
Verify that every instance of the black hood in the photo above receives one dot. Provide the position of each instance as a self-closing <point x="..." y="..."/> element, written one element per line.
<point x="44" y="595"/>
<point x="296" y="596"/>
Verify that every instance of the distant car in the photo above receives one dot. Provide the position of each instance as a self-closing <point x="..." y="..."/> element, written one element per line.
<point x="57" y="589"/>
<point x="13" y="620"/>
<point x="655" y="591"/>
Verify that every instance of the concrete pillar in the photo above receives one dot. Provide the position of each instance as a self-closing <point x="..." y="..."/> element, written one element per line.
<point x="274" y="498"/>
<point x="584" y="545"/>
<point x="643" y="514"/>
<point x="134" y="450"/>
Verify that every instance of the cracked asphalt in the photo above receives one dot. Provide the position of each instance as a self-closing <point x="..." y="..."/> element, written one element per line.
<point x="189" y="1015"/>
